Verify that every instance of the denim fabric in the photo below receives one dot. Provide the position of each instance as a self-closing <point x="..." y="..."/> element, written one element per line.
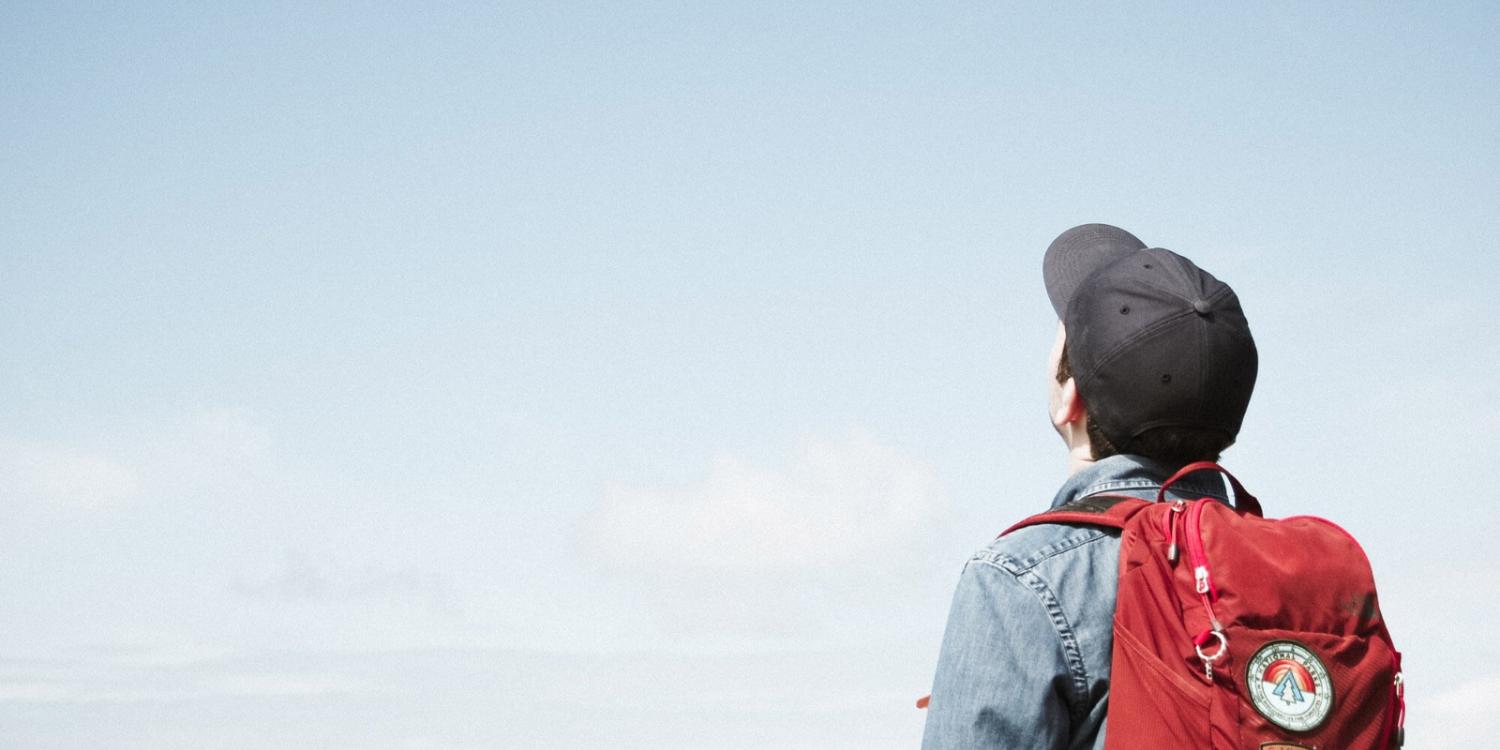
<point x="1025" y="658"/>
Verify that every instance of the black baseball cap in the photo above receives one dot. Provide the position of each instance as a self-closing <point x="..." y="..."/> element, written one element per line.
<point x="1153" y="340"/>
<point x="1079" y="252"/>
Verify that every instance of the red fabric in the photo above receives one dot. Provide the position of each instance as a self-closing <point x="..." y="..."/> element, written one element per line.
<point x="1301" y="580"/>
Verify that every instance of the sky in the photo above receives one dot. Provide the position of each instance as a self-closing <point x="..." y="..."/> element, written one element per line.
<point x="641" y="375"/>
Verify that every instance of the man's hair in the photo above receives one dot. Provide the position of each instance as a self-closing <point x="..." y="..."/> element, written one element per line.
<point x="1176" y="446"/>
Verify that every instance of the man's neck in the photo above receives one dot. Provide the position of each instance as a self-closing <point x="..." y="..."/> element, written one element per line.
<point x="1080" y="457"/>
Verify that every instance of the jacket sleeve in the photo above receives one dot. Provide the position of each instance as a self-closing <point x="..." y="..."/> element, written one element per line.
<point x="1002" y="680"/>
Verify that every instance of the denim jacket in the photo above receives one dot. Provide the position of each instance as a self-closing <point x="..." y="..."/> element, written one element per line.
<point x="1025" y="658"/>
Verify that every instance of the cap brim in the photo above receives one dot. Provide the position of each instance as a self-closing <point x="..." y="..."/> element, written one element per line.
<point x="1079" y="252"/>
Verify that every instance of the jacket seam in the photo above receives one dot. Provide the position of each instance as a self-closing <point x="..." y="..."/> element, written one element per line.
<point x="1072" y="653"/>
<point x="1017" y="566"/>
<point x="1068" y="641"/>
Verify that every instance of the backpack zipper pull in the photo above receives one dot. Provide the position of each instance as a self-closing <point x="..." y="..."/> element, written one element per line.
<point x="1217" y="632"/>
<point x="1176" y="508"/>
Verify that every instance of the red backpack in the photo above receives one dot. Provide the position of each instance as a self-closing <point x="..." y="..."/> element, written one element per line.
<point x="1237" y="632"/>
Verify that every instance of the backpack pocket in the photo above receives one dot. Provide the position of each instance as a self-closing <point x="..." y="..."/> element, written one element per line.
<point x="1150" y="700"/>
<point x="1305" y="689"/>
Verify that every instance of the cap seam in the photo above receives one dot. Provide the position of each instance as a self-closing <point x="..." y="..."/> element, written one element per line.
<point x="1204" y="362"/>
<point x="1144" y="333"/>
<point x="1213" y="296"/>
<point x="1156" y="328"/>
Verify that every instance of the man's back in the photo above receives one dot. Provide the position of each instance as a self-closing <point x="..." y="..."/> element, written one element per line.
<point x="1026" y="656"/>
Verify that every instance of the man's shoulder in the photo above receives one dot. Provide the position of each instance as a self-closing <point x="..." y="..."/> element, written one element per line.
<point x="1049" y="544"/>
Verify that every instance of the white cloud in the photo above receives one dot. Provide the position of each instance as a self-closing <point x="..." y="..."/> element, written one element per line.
<point x="299" y="579"/>
<point x="1466" y="715"/>
<point x="1481" y="696"/>
<point x="55" y="475"/>
<point x="101" y="678"/>
<point x="33" y="692"/>
<point x="473" y="698"/>
<point x="213" y="450"/>
<point x="832" y="502"/>
<point x="288" y="684"/>
<point x="207" y="449"/>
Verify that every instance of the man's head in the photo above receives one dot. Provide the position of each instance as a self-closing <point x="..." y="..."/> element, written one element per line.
<point x="1154" y="355"/>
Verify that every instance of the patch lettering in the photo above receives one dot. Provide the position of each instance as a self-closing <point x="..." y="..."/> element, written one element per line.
<point x="1289" y="685"/>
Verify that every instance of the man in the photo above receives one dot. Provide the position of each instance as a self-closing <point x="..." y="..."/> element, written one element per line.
<point x="1152" y="368"/>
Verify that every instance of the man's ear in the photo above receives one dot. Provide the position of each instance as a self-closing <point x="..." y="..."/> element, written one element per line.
<point x="1070" y="407"/>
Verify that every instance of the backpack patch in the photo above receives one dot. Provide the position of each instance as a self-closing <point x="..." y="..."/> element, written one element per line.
<point x="1289" y="685"/>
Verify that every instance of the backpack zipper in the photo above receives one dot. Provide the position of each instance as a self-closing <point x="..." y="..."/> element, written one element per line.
<point x="1202" y="581"/>
<point x="1197" y="555"/>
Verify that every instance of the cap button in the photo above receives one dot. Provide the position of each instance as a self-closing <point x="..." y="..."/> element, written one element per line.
<point x="1200" y="306"/>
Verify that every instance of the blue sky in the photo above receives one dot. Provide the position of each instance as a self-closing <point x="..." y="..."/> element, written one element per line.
<point x="641" y="375"/>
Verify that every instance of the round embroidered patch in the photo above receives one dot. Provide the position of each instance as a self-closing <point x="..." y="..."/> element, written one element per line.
<point x="1289" y="685"/>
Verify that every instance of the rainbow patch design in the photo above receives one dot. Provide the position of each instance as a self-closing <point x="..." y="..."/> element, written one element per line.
<point x="1289" y="685"/>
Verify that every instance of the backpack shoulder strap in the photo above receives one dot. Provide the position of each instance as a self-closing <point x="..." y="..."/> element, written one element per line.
<point x="1109" y="511"/>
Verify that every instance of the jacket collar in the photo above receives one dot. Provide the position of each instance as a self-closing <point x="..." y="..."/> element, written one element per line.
<point x="1136" y="476"/>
